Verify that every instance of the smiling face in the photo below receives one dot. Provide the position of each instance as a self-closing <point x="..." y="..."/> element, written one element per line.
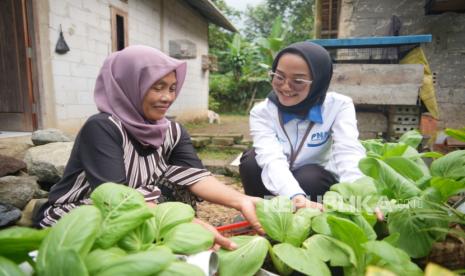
<point x="293" y="68"/>
<point x="159" y="97"/>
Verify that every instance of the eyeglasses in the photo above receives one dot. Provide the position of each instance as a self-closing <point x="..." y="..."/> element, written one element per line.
<point x="295" y="84"/>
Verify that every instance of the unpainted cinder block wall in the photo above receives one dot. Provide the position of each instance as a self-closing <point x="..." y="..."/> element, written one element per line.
<point x="445" y="54"/>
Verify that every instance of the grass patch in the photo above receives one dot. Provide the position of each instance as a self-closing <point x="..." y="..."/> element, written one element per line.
<point x="211" y="154"/>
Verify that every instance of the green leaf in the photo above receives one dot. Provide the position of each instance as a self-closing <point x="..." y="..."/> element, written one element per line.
<point x="406" y="167"/>
<point x="320" y="225"/>
<point x="364" y="225"/>
<point x="361" y="187"/>
<point x="452" y="165"/>
<point x="66" y="262"/>
<point x="299" y="230"/>
<point x="188" y="238"/>
<point x="394" y="149"/>
<point x="415" y="239"/>
<point x="412" y="138"/>
<point x="140" y="238"/>
<point x="392" y="239"/>
<point x="332" y="250"/>
<point x="9" y="268"/>
<point x="279" y="265"/>
<point x="388" y="181"/>
<point x="181" y="269"/>
<point x="447" y="187"/>
<point x="309" y="213"/>
<point x="276" y="28"/>
<point x="17" y="242"/>
<point x="275" y="216"/>
<point x="100" y="258"/>
<point x="391" y="258"/>
<point x="123" y="209"/>
<point x="144" y="263"/>
<point x="246" y="259"/>
<point x="76" y="230"/>
<point x="458" y="134"/>
<point x="333" y="202"/>
<point x="373" y="147"/>
<point x="349" y="233"/>
<point x="301" y="260"/>
<point x="169" y="214"/>
<point x="431" y="154"/>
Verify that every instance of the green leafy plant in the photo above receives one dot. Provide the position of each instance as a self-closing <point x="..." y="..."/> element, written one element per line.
<point x="247" y="259"/>
<point x="458" y="134"/>
<point x="412" y="196"/>
<point x="118" y="235"/>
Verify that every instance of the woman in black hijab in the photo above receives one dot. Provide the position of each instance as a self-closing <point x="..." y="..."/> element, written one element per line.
<point x="305" y="138"/>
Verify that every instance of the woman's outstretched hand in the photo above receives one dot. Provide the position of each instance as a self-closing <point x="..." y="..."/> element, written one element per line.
<point x="220" y="240"/>
<point x="247" y="208"/>
<point x="300" y="201"/>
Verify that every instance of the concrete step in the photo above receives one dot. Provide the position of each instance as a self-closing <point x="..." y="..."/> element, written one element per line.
<point x="237" y="137"/>
<point x="200" y="142"/>
<point x="239" y="148"/>
<point x="223" y="141"/>
<point x="222" y="167"/>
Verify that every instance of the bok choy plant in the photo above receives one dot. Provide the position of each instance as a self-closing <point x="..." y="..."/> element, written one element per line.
<point x="118" y="235"/>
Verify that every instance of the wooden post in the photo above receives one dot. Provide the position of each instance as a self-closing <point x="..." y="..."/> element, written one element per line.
<point x="318" y="16"/>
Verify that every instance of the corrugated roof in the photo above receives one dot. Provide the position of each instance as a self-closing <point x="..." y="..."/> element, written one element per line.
<point x="211" y="13"/>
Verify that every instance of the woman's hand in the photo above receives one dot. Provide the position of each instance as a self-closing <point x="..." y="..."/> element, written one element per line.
<point x="247" y="208"/>
<point x="300" y="201"/>
<point x="210" y="189"/>
<point x="220" y="240"/>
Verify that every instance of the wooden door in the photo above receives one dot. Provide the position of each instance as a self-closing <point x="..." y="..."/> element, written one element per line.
<point x="16" y="97"/>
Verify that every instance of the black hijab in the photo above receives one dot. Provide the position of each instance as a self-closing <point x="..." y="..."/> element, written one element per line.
<point x="321" y="67"/>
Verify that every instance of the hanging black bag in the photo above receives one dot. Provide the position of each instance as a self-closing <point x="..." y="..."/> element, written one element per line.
<point x="61" y="47"/>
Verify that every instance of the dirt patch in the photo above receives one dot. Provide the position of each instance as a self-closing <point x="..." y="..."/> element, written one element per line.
<point x="229" y="124"/>
<point x="218" y="215"/>
<point x="215" y="214"/>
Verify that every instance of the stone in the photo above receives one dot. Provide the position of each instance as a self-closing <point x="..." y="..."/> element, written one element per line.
<point x="199" y="142"/>
<point x="18" y="190"/>
<point x="9" y="214"/>
<point x="240" y="147"/>
<point x="50" y="135"/>
<point x="237" y="137"/>
<point x="13" y="149"/>
<point x="222" y="141"/>
<point x="10" y="165"/>
<point x="28" y="212"/>
<point x="48" y="162"/>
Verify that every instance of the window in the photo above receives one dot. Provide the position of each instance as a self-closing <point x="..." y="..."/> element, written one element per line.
<point x="119" y="29"/>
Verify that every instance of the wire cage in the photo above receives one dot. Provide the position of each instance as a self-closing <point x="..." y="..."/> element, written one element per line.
<point x="374" y="50"/>
<point x="370" y="55"/>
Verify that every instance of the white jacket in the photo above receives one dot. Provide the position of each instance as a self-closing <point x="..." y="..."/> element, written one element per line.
<point x="332" y="143"/>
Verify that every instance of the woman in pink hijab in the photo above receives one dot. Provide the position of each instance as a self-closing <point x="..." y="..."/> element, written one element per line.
<point x="131" y="142"/>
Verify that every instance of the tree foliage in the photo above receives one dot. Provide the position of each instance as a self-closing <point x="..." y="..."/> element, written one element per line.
<point x="296" y="13"/>
<point x="244" y="58"/>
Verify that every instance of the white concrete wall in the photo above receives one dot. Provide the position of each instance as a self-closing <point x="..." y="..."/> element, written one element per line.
<point x="87" y="30"/>
<point x="182" y="22"/>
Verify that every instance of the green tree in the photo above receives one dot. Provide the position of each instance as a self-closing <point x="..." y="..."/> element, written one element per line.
<point x="295" y="13"/>
<point x="219" y="38"/>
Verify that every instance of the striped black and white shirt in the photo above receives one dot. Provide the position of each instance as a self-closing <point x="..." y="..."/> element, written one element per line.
<point x="105" y="152"/>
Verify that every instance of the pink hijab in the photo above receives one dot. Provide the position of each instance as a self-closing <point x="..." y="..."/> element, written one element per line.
<point x="124" y="79"/>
